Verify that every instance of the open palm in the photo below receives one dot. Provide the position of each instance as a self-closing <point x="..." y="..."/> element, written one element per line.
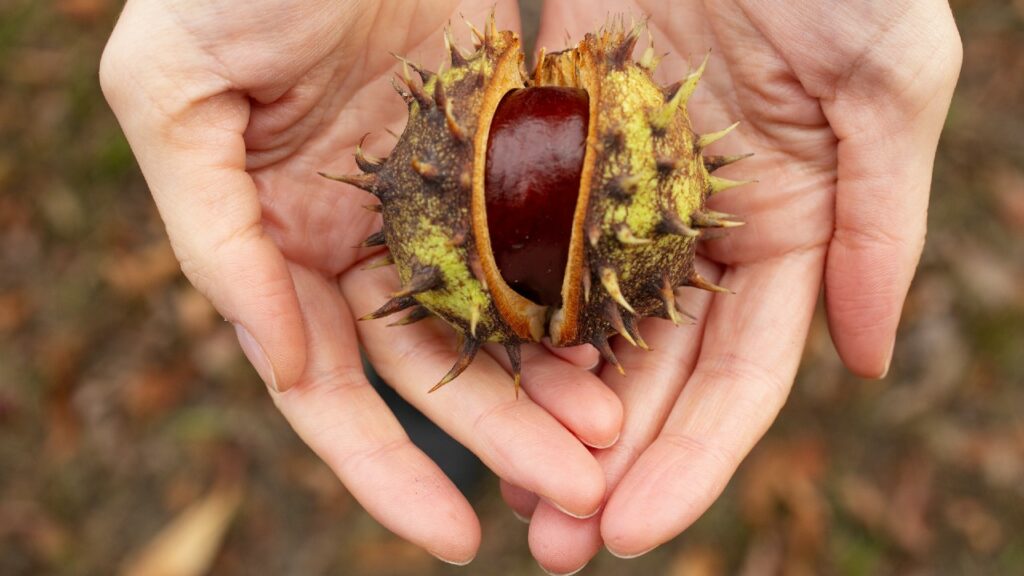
<point x="232" y="108"/>
<point x="842" y="107"/>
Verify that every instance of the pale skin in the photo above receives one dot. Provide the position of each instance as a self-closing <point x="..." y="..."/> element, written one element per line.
<point x="232" y="107"/>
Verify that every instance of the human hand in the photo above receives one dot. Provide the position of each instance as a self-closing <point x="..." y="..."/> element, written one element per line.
<point x="232" y="108"/>
<point x="842" y="105"/>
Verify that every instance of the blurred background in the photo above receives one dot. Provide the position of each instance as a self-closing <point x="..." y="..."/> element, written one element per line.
<point x="132" y="432"/>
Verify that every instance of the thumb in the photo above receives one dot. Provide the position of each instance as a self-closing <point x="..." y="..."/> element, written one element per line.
<point x="191" y="150"/>
<point x="887" y="143"/>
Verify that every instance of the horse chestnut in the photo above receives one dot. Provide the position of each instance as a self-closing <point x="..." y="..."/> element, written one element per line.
<point x="534" y="159"/>
<point x="563" y="204"/>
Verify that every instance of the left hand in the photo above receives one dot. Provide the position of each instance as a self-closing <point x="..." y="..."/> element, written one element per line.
<point x="231" y="107"/>
<point x="842" y="108"/>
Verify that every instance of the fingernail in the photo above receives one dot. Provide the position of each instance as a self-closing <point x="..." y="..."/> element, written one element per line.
<point x="452" y="562"/>
<point x="257" y="357"/>
<point x="521" y="518"/>
<point x="629" y="556"/>
<point x="888" y="361"/>
<point x="576" y="516"/>
<point x="604" y="446"/>
<point x="546" y="571"/>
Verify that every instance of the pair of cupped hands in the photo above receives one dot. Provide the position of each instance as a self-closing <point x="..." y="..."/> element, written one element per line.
<point x="233" y="107"/>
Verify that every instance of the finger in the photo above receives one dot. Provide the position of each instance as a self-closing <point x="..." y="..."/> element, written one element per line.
<point x="188" y="141"/>
<point x="585" y="356"/>
<point x="562" y="23"/>
<point x="652" y="382"/>
<point x="882" y="203"/>
<point x="560" y="543"/>
<point x="517" y="439"/>
<point x="749" y="355"/>
<point x="575" y="397"/>
<point x="338" y="414"/>
<point x="522" y="502"/>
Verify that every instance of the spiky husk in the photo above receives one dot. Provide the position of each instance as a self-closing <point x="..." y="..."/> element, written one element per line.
<point x="640" y="211"/>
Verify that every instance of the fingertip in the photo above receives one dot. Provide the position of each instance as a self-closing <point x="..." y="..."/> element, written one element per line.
<point x="461" y="551"/>
<point x="627" y="555"/>
<point x="604" y="417"/>
<point x="250" y="283"/>
<point x="870" y="360"/>
<point x="270" y="331"/>
<point x="562" y="544"/>
<point x="623" y="541"/>
<point x="865" y="347"/>
<point x="661" y="495"/>
<point x="257" y="357"/>
<point x="573" y="482"/>
<point x="584" y="356"/>
<point x="577" y="398"/>
<point x="590" y="511"/>
<point x="866" y="285"/>
<point x="522" y="502"/>
<point x="580" y="490"/>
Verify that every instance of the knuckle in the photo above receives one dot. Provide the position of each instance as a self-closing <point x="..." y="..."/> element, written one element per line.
<point x="930" y="53"/>
<point x="759" y="387"/>
<point x="690" y="448"/>
<point x="373" y="454"/>
<point x="491" y="418"/>
<point x="111" y="71"/>
<point x="202" y="263"/>
<point x="861" y="238"/>
<point x="337" y="381"/>
<point x="425" y="352"/>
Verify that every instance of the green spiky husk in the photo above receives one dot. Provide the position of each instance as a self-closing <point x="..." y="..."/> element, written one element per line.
<point x="640" y="213"/>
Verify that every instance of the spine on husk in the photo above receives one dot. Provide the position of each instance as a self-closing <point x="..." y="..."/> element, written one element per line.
<point x="641" y="204"/>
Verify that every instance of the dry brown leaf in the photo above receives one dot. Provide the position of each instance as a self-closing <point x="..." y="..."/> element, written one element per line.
<point x="781" y="492"/>
<point x="196" y="316"/>
<point x="156" y="390"/>
<point x="142" y="271"/>
<point x="908" y="508"/>
<point x="15" y="309"/>
<point x="697" y="560"/>
<point x="863" y="500"/>
<point x="1008" y="185"/>
<point x="391" y="555"/>
<point x="189" y="544"/>
<point x="764" y="555"/>
<point x="982" y="530"/>
<point x="83" y="10"/>
<point x="60" y="359"/>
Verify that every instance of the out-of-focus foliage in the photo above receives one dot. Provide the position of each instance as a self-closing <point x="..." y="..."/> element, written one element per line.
<point x="126" y="409"/>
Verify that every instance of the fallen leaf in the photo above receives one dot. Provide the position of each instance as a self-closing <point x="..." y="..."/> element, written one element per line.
<point x="15" y="309"/>
<point x="697" y="560"/>
<point x="781" y="492"/>
<point x="142" y="271"/>
<point x="189" y="544"/>
<point x="908" y="509"/>
<point x="863" y="500"/>
<point x="156" y="390"/>
<point x="1008" y="186"/>
<point x="764" y="555"/>
<point x="83" y="10"/>
<point x="196" y="316"/>
<point x="391" y="555"/>
<point x="981" y="529"/>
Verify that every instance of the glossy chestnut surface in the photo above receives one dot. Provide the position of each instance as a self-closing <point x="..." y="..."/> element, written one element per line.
<point x="534" y="159"/>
